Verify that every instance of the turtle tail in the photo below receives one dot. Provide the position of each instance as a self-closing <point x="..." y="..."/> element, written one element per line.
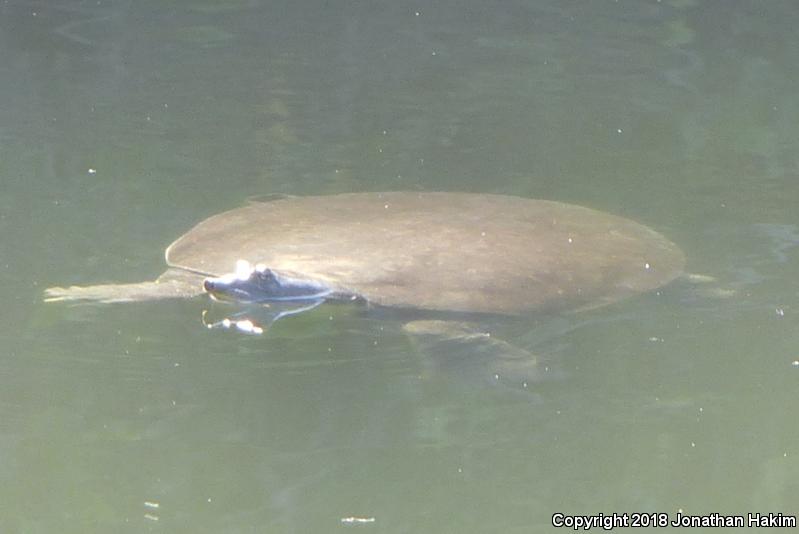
<point x="171" y="284"/>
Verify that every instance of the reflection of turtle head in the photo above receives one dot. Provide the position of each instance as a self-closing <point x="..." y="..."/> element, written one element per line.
<point x="260" y="284"/>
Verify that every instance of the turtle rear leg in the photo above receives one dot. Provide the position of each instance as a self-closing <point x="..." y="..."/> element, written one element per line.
<point x="174" y="283"/>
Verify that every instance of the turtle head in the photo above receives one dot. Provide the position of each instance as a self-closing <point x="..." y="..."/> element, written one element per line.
<point x="254" y="284"/>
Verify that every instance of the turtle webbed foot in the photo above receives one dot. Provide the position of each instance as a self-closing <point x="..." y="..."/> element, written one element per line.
<point x="476" y="351"/>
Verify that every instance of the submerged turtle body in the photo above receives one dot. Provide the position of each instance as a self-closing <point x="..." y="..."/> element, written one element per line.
<point x="456" y="252"/>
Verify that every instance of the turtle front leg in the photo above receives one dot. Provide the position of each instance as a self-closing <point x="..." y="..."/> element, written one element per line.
<point x="464" y="346"/>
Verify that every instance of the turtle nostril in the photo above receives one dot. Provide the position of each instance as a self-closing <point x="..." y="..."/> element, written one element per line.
<point x="208" y="285"/>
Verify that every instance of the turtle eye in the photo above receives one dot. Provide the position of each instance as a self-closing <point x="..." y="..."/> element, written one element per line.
<point x="266" y="274"/>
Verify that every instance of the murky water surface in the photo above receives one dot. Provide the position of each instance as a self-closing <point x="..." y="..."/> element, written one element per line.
<point x="124" y="123"/>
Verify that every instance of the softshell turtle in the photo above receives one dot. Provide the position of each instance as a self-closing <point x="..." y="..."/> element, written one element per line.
<point x="443" y="252"/>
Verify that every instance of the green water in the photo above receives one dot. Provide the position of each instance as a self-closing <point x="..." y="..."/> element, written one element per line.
<point x="124" y="123"/>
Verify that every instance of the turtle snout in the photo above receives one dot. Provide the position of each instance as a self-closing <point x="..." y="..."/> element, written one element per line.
<point x="208" y="285"/>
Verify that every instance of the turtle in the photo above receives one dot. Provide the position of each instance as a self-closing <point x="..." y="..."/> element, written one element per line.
<point x="456" y="253"/>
